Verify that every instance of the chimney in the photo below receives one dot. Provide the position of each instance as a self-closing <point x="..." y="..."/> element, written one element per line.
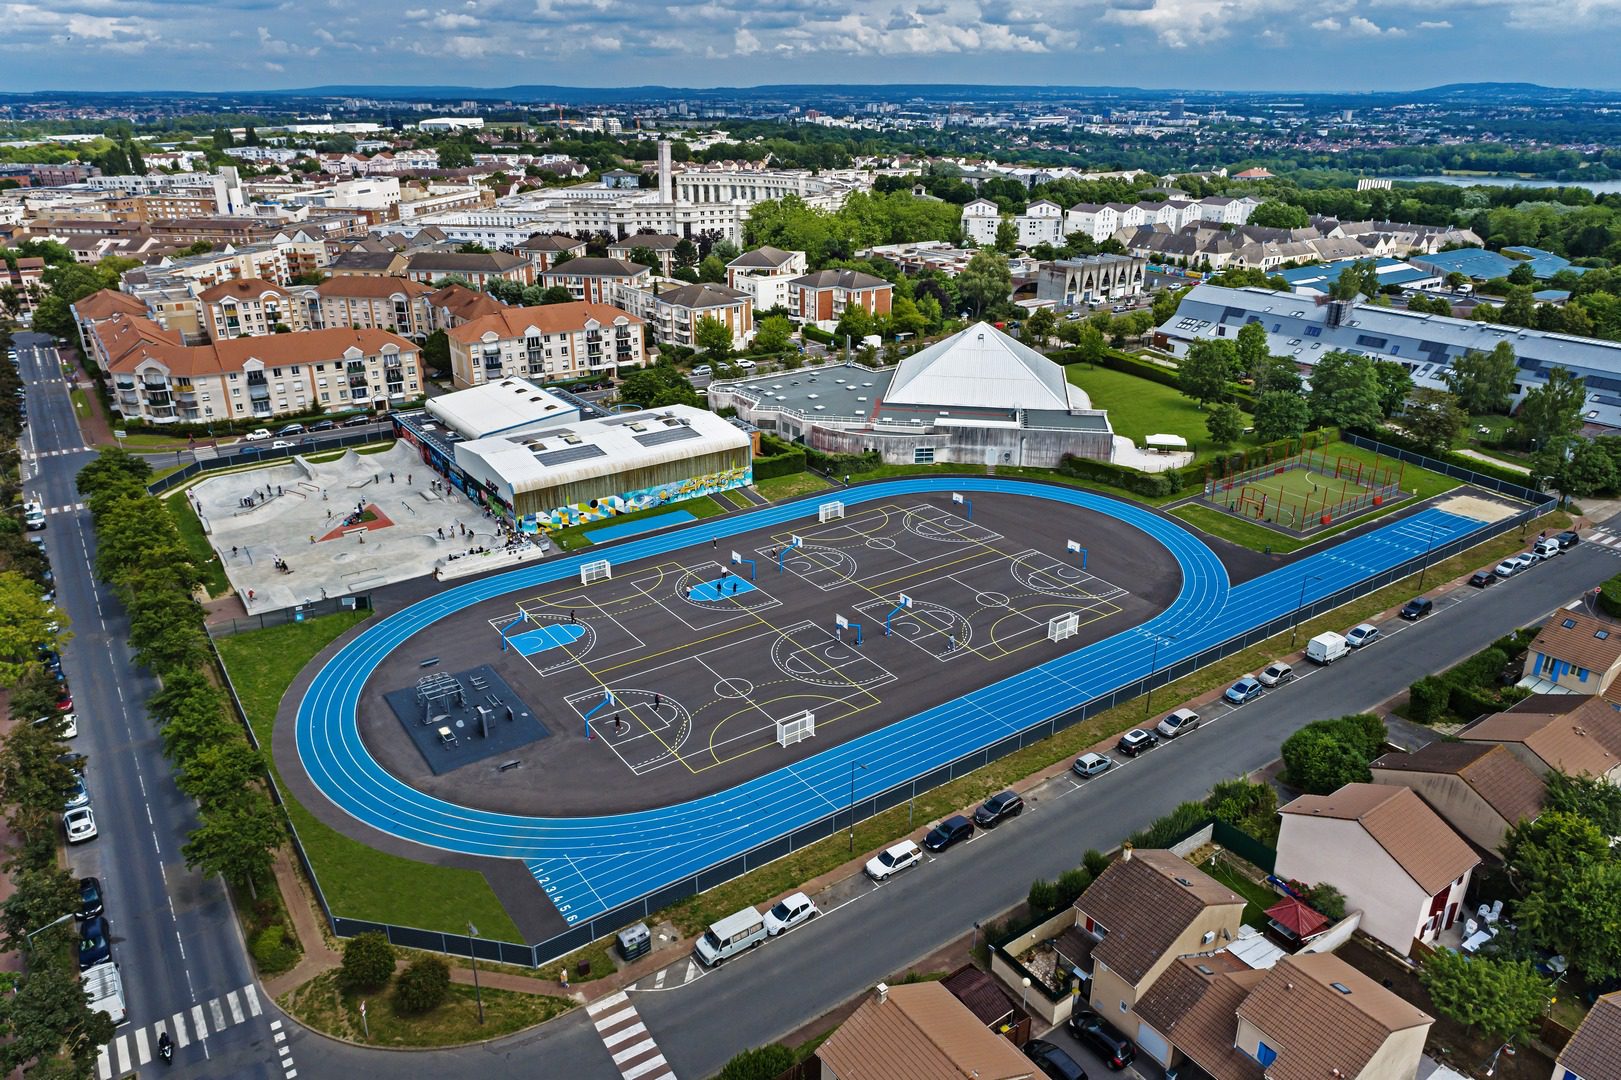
<point x="666" y="183"/>
<point x="883" y="992"/>
<point x="1125" y="852"/>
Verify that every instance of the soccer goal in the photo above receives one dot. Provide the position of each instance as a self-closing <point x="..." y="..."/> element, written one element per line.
<point x="829" y="510"/>
<point x="796" y="728"/>
<point x="1063" y="626"/>
<point x="601" y="570"/>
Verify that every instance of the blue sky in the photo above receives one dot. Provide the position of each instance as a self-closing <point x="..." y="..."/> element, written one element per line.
<point x="1246" y="44"/>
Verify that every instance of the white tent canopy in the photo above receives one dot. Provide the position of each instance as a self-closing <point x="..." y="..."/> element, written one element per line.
<point x="1166" y="442"/>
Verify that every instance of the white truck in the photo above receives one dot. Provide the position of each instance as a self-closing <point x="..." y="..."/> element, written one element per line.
<point x="105" y="989"/>
<point x="1326" y="648"/>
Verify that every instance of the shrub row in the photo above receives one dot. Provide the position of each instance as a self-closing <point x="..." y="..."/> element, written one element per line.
<point x="777" y="458"/>
<point x="1451" y="457"/>
<point x="1471" y="688"/>
<point x="812" y="333"/>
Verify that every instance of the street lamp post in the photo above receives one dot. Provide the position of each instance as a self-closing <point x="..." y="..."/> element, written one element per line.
<point x="1153" y="665"/>
<point x="854" y="765"/>
<point x="29" y="937"/>
<point x="1024" y="1002"/>
<point x="478" y="993"/>
<point x="1428" y="547"/>
<point x="1301" y="607"/>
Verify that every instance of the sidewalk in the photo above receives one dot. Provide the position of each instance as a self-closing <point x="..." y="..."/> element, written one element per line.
<point x="93" y="425"/>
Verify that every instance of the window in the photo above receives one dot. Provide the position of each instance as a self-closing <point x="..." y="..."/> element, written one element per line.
<point x="1314" y="331"/>
<point x="1265" y="1054"/>
<point x="923" y="455"/>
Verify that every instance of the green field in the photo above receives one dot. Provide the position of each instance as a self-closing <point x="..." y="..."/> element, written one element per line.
<point x="1138" y="408"/>
<point x="790" y="486"/>
<point x="359" y="881"/>
<point x="202" y="552"/>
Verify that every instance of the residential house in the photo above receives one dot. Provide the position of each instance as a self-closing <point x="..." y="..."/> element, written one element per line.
<point x="1594" y="1052"/>
<point x="1480" y="789"/>
<point x="672" y="310"/>
<point x="368" y="263"/>
<point x="550" y="342"/>
<point x="98" y="307"/>
<point x="660" y="244"/>
<point x="25" y="275"/>
<point x="1225" y="211"/>
<point x="1311" y="1016"/>
<point x="766" y="272"/>
<point x="1574" y="653"/>
<point x="1095" y="221"/>
<point x="1580" y="736"/>
<point x="1041" y="223"/>
<point x="478" y="269"/>
<point x="545" y="250"/>
<point x="821" y="298"/>
<point x="398" y="305"/>
<point x="918" y="1031"/>
<point x="1389" y="854"/>
<point x="980" y="219"/>
<point x="454" y="305"/>
<point x="595" y="280"/>
<point x="248" y="307"/>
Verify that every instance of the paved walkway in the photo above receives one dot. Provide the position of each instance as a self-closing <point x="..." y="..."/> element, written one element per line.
<point x="1489" y="460"/>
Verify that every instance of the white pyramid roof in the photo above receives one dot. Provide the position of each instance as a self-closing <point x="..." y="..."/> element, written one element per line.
<point x="981" y="367"/>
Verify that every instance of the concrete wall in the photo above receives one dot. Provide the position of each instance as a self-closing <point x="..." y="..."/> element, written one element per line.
<point x="1398" y="1058"/>
<point x="1316" y="850"/>
<point x="1037" y="1003"/>
<point x="1335" y="935"/>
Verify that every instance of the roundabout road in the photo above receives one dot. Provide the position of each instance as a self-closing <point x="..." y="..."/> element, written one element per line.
<point x="592" y="865"/>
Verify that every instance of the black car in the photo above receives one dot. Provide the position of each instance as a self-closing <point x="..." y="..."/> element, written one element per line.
<point x="90" y="903"/>
<point x="1136" y="741"/>
<point x="1053" y="1061"/>
<point x="323" y="425"/>
<point x="948" y="832"/>
<point x="1114" y="1048"/>
<point x="1480" y="579"/>
<point x="359" y="421"/>
<point x="997" y="808"/>
<point x="1567" y="539"/>
<point x="1417" y="608"/>
<point x="95" y="943"/>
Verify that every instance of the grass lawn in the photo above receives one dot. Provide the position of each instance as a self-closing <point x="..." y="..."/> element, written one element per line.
<point x="1257" y="898"/>
<point x="574" y="538"/>
<point x="1139" y="408"/>
<point x="694" y="913"/>
<point x="321" y="1005"/>
<point x="81" y="403"/>
<point x="359" y="882"/>
<point x="790" y="486"/>
<point x="735" y="498"/>
<point x="202" y="552"/>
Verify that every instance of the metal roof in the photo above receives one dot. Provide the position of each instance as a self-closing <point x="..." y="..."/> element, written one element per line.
<point x="979" y="366"/>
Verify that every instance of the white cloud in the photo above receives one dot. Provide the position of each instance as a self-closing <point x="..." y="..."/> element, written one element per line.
<point x="1440" y="24"/>
<point x="744" y="43"/>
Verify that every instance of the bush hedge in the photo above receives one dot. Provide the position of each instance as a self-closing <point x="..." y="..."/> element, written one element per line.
<point x="777" y="458"/>
<point x="1451" y="457"/>
<point x="841" y="464"/>
<point x="812" y="333"/>
<point x="1609" y="596"/>
<point x="1473" y="687"/>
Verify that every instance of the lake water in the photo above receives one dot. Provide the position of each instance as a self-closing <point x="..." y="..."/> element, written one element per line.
<point x="1597" y="187"/>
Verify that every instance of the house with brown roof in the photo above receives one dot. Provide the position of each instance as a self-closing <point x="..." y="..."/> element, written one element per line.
<point x="550" y="342"/>
<point x="98" y="307"/>
<point x="1574" y="653"/>
<point x="661" y="245"/>
<point x="457" y="304"/>
<point x="397" y="305"/>
<point x="673" y="310"/>
<point x="360" y="261"/>
<point x="822" y="297"/>
<point x="546" y="250"/>
<point x="1546" y="735"/>
<point x="1391" y="856"/>
<point x="595" y="280"/>
<point x="1479" y="788"/>
<point x="1594" y="1052"/>
<point x="249" y="307"/>
<point x="918" y="1031"/>
<point x="478" y="269"/>
<point x="1311" y="1016"/>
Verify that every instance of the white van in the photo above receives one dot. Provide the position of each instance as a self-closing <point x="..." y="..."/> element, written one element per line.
<point x="732" y="935"/>
<point x="1326" y="648"/>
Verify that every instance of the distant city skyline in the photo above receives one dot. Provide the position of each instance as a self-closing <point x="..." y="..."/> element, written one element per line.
<point x="1265" y="45"/>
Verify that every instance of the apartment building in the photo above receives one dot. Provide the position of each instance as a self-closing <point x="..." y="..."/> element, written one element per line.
<point x="546" y="250"/>
<point x="397" y="305"/>
<point x="672" y="309"/>
<point x="596" y="281"/>
<point x="477" y="269"/>
<point x="99" y="307"/>
<point x="1041" y="223"/>
<point x="159" y="380"/>
<point x="662" y="245"/>
<point x="249" y="307"/>
<point x="550" y="342"/>
<point x="26" y="277"/>
<point x="766" y="272"/>
<point x="980" y="219"/>
<point x="454" y="305"/>
<point x="821" y="298"/>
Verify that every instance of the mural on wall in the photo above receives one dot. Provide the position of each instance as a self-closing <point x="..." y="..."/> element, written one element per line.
<point x="581" y="513"/>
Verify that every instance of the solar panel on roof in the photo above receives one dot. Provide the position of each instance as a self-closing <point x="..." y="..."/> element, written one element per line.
<point x="570" y="454"/>
<point x="668" y="435"/>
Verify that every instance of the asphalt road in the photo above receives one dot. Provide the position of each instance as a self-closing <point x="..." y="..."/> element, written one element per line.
<point x="175" y="939"/>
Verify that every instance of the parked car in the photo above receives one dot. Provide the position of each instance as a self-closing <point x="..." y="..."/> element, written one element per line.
<point x="70" y="724"/>
<point x="702" y="369"/>
<point x="1053" y="1060"/>
<point x="1276" y="674"/>
<point x="1568" y="539"/>
<point x="948" y="832"/>
<point x="323" y="425"/>
<point x="746" y="364"/>
<point x="1524" y="560"/>
<point x="1090" y="1028"/>
<point x="1246" y="689"/>
<point x="1507" y="568"/>
<point x="1136" y="741"/>
<point x="1361" y="634"/>
<point x="257" y="435"/>
<point x="1546" y="548"/>
<point x="290" y="429"/>
<point x="90" y="901"/>
<point x="1326" y="648"/>
<point x="1482" y="578"/>
<point x="1178" y="722"/>
<point x="1417" y="608"/>
<point x="886" y="864"/>
<point x="1092" y="765"/>
<point x="789" y="913"/>
<point x="998" y="808"/>
<point x="281" y="444"/>
<point x="95" y="943"/>
<point x="359" y="421"/>
<point x="80" y="824"/>
<point x="33" y="515"/>
<point x="78" y="795"/>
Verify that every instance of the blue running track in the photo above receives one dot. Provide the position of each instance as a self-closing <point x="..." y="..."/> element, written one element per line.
<point x="591" y="865"/>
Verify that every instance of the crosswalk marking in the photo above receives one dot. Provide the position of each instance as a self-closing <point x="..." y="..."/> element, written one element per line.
<point x="632" y="1047"/>
<point x="137" y="1047"/>
<point x="252" y="995"/>
<point x="236" y="1007"/>
<point x="634" y="1051"/>
<point x="123" y="1056"/>
<point x="607" y="1003"/>
<point x="646" y="1067"/>
<point x="631" y="1032"/>
<point x="219" y="1014"/>
<point x="198" y="1022"/>
<point x="143" y="1053"/>
<point x="179" y="1033"/>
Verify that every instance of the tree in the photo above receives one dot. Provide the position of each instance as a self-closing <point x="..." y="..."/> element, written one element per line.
<point x="1553" y="411"/>
<point x="1433" y="419"/>
<point x="222" y="773"/>
<point x="1040" y="326"/>
<point x="660" y="384"/>
<point x="1575" y="466"/>
<point x="1273" y="214"/>
<point x="1519" y="308"/>
<point x="1207" y="369"/>
<point x="436" y="351"/>
<point x="1394" y="386"/>
<point x="508" y="292"/>
<point x="1225" y="424"/>
<point x="645" y="256"/>
<point x="1281" y="414"/>
<point x="1484" y="382"/>
<point x="1345" y="391"/>
<point x="1588" y="797"/>
<point x="685" y="273"/>
<point x="712" y="270"/>
<point x="1361" y="278"/>
<point x="1522" y="275"/>
<point x="1007" y="237"/>
<point x="1165" y="305"/>
<point x="773" y="334"/>
<point x="685" y="253"/>
<point x="761" y="1063"/>
<point x="1278" y="373"/>
<point x="1500" y="998"/>
<point x="1252" y="350"/>
<point x="556" y="294"/>
<point x="237" y="840"/>
<point x="985" y="281"/>
<point x="455" y="155"/>
<point x="1580" y="917"/>
<point x="368" y="962"/>
<point x="423" y="986"/>
<point x="1090" y="345"/>
<point x="714" y="337"/>
<point x="49" y="1015"/>
<point x="907" y="317"/>
<point x="1325" y="755"/>
<point x="25" y="621"/>
<point x="1539" y="853"/>
<point x="853" y="325"/>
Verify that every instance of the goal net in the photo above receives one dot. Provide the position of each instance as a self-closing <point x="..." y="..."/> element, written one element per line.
<point x="1063" y="626"/>
<point x="795" y="729"/>
<point x="829" y="510"/>
<point x="601" y="570"/>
